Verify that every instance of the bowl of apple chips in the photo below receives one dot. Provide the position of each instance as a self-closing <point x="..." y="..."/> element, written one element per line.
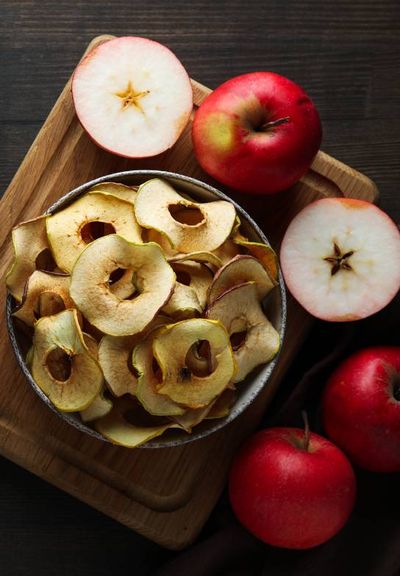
<point x="145" y="308"/>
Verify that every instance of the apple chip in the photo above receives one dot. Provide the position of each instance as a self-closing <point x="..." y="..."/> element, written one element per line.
<point x="91" y="292"/>
<point x="188" y="224"/>
<point x="120" y="427"/>
<point x="228" y="250"/>
<point x="265" y="254"/>
<point x="62" y="365"/>
<point x="196" y="276"/>
<point x="170" y="347"/>
<point x="148" y="382"/>
<point x="97" y="409"/>
<point x="93" y="215"/>
<point x="46" y="293"/>
<point x="222" y="405"/>
<point x="183" y="303"/>
<point x="192" y="417"/>
<point x="242" y="268"/>
<point x="161" y="239"/>
<point x="115" y="361"/>
<point x="203" y="257"/>
<point x="29" y="243"/>
<point x="254" y="340"/>
<point x="121" y="191"/>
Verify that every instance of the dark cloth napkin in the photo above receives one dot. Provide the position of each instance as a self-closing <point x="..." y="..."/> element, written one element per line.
<point x="369" y="545"/>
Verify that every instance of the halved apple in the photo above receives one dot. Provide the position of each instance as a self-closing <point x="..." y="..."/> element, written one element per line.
<point x="120" y="427"/>
<point x="254" y="340"/>
<point x="46" y="293"/>
<point x="62" y="365"/>
<point x="70" y="230"/>
<point x="170" y="347"/>
<point x="242" y="268"/>
<point x="91" y="292"/>
<point x="29" y="242"/>
<point x="132" y="96"/>
<point x="160" y="207"/>
<point x="341" y="259"/>
<point x="121" y="191"/>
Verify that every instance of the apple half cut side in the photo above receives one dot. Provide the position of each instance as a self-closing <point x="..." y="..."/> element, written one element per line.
<point x="341" y="259"/>
<point x="132" y="96"/>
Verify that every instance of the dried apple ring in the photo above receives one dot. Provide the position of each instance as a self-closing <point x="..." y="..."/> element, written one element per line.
<point x="119" y="425"/>
<point x="121" y="191"/>
<point x="170" y="347"/>
<point x="91" y="291"/>
<point x="71" y="230"/>
<point x="242" y="268"/>
<point x="62" y="364"/>
<point x="189" y="225"/>
<point x="55" y="288"/>
<point x="254" y="340"/>
<point x="29" y="241"/>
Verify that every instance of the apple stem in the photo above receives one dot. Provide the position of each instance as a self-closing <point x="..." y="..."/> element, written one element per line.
<point x="306" y="430"/>
<point x="275" y="123"/>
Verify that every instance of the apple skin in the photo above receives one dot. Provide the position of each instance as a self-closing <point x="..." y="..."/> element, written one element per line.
<point x="231" y="146"/>
<point x="288" y="496"/>
<point x="361" y="413"/>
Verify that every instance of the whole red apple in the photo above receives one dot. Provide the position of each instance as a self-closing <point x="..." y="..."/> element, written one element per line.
<point x="361" y="408"/>
<point x="291" y="491"/>
<point x="257" y="133"/>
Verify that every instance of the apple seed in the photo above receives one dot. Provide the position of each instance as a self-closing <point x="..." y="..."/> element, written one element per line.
<point x="339" y="260"/>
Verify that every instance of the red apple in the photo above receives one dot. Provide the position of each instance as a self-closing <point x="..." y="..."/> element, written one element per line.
<point x="257" y="133"/>
<point x="132" y="96"/>
<point x="341" y="259"/>
<point x="361" y="408"/>
<point x="292" y="491"/>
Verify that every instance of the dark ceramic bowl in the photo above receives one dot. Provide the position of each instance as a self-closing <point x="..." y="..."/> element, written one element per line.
<point x="275" y="308"/>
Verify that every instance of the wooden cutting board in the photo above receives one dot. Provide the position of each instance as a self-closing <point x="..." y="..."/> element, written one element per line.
<point x="167" y="494"/>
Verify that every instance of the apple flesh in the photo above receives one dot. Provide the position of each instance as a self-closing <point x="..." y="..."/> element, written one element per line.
<point x="132" y="96"/>
<point x="361" y="408"/>
<point x="290" y="491"/>
<point x="341" y="259"/>
<point x="257" y="133"/>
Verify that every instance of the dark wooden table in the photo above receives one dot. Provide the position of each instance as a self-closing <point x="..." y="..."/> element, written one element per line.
<point x="345" y="53"/>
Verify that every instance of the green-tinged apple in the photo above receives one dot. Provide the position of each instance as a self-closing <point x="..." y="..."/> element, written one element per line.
<point x="341" y="259"/>
<point x="132" y="96"/>
<point x="257" y="133"/>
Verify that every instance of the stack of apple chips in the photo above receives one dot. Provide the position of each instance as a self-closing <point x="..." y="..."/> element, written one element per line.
<point x="152" y="312"/>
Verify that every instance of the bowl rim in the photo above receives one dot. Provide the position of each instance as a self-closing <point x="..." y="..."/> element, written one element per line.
<point x="217" y="424"/>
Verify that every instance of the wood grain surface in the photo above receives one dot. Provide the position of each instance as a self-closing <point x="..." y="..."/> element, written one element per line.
<point x="345" y="54"/>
